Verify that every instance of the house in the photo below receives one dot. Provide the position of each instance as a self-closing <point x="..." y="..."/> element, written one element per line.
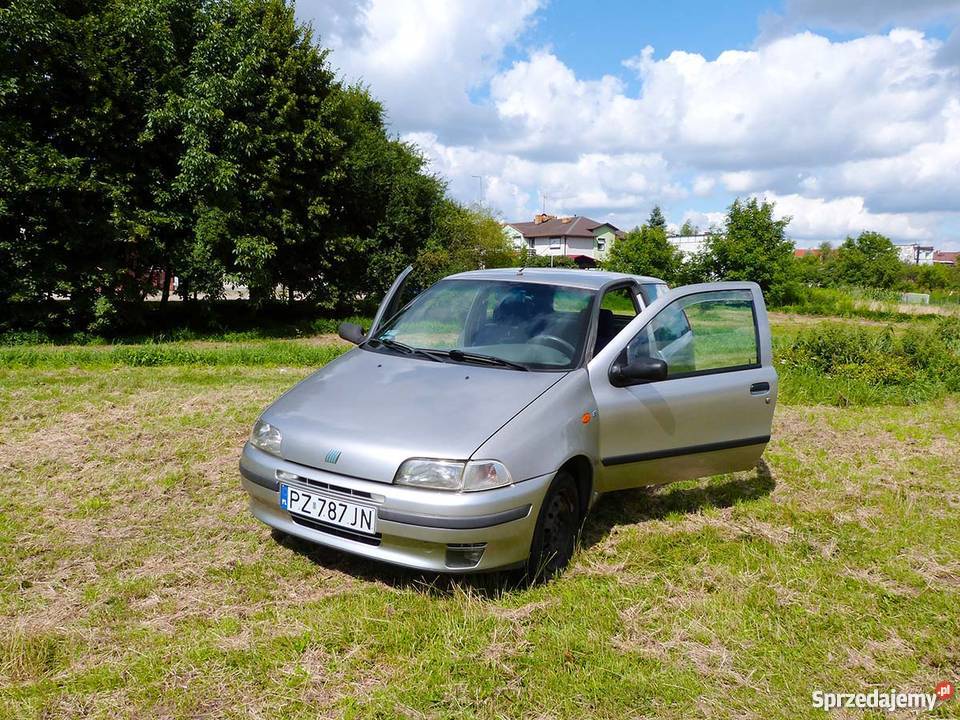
<point x="586" y="241"/>
<point x="806" y="252"/>
<point x="944" y="257"/>
<point x="914" y="254"/>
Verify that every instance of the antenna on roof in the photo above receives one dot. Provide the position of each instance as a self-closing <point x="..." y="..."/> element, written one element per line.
<point x="520" y="271"/>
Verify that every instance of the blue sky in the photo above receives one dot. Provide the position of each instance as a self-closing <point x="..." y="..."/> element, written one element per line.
<point x="845" y="114"/>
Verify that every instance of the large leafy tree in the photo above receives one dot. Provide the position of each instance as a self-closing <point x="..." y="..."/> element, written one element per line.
<point x="203" y="138"/>
<point x="464" y="239"/>
<point x="870" y="259"/>
<point x="753" y="246"/>
<point x="645" y="251"/>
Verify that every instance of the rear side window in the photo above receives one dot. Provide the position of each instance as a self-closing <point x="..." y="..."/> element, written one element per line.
<point x="619" y="301"/>
<point x="707" y="332"/>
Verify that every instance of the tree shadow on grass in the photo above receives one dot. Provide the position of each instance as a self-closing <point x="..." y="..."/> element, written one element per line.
<point x="626" y="507"/>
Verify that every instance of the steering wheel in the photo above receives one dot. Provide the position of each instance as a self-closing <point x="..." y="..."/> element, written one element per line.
<point x="557" y="343"/>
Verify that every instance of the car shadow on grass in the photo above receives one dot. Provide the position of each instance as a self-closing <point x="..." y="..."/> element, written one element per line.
<point x="629" y="507"/>
<point x="626" y="507"/>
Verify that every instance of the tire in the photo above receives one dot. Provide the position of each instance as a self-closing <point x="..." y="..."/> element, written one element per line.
<point x="558" y="526"/>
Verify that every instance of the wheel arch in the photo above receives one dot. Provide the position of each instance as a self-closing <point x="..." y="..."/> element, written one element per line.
<point x="580" y="467"/>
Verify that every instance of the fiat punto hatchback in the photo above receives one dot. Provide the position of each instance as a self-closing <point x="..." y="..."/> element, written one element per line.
<point x="473" y="427"/>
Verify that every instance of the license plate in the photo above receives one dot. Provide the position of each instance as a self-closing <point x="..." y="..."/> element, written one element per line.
<point x="327" y="509"/>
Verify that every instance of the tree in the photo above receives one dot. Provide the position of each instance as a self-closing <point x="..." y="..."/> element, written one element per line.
<point x="204" y="138"/>
<point x="688" y="228"/>
<point x="463" y="239"/>
<point x="656" y="220"/>
<point x="753" y="246"/>
<point x="645" y="251"/>
<point x="870" y="260"/>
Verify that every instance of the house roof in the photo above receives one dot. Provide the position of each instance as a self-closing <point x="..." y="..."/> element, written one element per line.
<point x="803" y="252"/>
<point x="945" y="256"/>
<point x="575" y="226"/>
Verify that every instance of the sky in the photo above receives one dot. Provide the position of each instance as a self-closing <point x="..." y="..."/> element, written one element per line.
<point x="844" y="113"/>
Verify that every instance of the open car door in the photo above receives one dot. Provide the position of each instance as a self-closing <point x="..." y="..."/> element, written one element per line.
<point x="687" y="389"/>
<point x="392" y="301"/>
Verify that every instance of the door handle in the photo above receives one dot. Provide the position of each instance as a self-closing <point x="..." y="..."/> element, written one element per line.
<point x="759" y="388"/>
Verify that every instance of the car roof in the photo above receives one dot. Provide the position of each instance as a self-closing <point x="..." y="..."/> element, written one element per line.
<point x="590" y="279"/>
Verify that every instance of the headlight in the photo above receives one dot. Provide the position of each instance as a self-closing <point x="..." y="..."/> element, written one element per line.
<point x="453" y="475"/>
<point x="266" y="437"/>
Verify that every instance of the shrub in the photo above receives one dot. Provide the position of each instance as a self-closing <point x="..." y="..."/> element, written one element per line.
<point x="840" y="364"/>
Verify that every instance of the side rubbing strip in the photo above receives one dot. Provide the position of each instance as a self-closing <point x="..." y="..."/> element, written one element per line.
<point x="689" y="450"/>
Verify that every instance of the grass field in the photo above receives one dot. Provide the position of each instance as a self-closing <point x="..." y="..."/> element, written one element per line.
<point x="133" y="583"/>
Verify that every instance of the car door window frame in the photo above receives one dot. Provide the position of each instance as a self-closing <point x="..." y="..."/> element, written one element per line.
<point x="622" y="355"/>
<point x="634" y="290"/>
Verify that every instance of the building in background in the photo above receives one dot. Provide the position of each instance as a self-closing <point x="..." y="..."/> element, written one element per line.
<point x="914" y="254"/>
<point x="586" y="241"/>
<point x="944" y="257"/>
<point x="689" y="244"/>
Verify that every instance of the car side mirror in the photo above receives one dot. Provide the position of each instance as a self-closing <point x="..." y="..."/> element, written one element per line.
<point x="351" y="332"/>
<point x="641" y="370"/>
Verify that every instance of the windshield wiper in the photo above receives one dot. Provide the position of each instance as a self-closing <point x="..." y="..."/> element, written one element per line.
<point x="461" y="356"/>
<point x="404" y="348"/>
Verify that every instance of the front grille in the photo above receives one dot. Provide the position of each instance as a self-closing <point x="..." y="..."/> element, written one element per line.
<point x="373" y="540"/>
<point x="332" y="488"/>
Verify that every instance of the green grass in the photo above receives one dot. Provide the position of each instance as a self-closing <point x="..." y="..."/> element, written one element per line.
<point x="821" y="362"/>
<point x="264" y="353"/>
<point x="134" y="583"/>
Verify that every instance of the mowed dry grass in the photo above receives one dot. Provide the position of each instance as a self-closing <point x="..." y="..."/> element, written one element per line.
<point x="135" y="584"/>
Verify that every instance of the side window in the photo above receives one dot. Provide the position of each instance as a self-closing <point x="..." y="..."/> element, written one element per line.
<point x="620" y="302"/>
<point x="702" y="333"/>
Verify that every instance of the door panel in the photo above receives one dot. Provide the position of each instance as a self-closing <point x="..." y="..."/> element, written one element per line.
<point x="712" y="414"/>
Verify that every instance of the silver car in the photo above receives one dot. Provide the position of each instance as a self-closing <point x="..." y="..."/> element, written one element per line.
<point x="473" y="427"/>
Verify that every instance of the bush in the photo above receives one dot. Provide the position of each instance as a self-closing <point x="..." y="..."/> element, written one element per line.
<point x="839" y="364"/>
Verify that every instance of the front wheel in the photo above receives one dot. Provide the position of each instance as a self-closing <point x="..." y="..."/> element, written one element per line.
<point x="555" y="536"/>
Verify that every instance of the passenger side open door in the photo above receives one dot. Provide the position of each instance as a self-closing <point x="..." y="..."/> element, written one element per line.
<point x="687" y="389"/>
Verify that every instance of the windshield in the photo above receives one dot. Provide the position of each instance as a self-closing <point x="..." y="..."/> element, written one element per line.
<point x="542" y="327"/>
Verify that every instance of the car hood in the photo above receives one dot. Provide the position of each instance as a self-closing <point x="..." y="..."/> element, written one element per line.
<point x="366" y="412"/>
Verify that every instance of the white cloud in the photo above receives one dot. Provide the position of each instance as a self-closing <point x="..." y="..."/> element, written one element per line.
<point x="621" y="187"/>
<point x="421" y="58"/>
<point x="866" y="129"/>
<point x="834" y="219"/>
<point x="799" y="100"/>
<point x="703" y="185"/>
<point x="923" y="178"/>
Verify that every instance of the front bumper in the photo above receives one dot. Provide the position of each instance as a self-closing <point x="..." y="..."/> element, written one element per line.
<point x="416" y="527"/>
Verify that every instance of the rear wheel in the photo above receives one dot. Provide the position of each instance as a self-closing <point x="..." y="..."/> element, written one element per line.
<point x="558" y="525"/>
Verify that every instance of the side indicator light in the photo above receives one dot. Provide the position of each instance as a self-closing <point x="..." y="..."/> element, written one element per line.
<point x="585" y="418"/>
